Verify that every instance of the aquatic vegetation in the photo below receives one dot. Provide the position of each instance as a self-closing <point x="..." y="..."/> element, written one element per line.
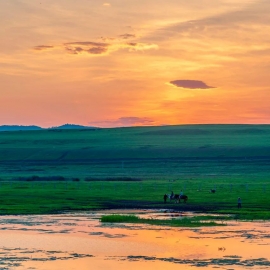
<point x="119" y="218"/>
<point x="213" y="217"/>
<point x="225" y="261"/>
<point x="183" y="222"/>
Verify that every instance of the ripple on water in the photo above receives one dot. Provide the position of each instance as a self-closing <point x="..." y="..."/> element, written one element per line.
<point x="77" y="239"/>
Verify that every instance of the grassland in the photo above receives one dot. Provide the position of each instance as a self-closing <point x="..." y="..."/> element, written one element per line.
<point x="233" y="159"/>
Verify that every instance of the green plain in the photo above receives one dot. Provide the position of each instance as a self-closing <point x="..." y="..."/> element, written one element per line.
<point x="135" y="167"/>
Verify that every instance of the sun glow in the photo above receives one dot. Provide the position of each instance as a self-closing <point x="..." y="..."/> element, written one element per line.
<point x="117" y="60"/>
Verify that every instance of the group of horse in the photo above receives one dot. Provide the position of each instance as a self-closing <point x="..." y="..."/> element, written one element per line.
<point x="175" y="197"/>
<point x="178" y="197"/>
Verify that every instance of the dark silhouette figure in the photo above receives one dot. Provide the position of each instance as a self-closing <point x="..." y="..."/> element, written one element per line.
<point x="184" y="198"/>
<point x="239" y="203"/>
<point x="165" y="197"/>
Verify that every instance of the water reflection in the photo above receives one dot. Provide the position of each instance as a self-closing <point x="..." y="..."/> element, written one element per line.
<point x="78" y="241"/>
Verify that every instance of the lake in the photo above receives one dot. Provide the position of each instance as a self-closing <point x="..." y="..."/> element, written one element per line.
<point x="79" y="241"/>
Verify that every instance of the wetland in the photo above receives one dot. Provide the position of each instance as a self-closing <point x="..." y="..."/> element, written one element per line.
<point x="80" y="241"/>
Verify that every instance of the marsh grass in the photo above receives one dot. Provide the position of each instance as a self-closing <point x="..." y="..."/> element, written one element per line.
<point x="119" y="218"/>
<point x="248" y="215"/>
<point x="183" y="222"/>
<point x="213" y="217"/>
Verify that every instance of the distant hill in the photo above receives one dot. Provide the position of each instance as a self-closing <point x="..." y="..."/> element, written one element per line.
<point x="29" y="128"/>
<point x="72" y="126"/>
<point x="18" y="128"/>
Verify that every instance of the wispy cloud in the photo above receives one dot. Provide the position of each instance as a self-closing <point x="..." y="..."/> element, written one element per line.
<point x="126" y="122"/>
<point x="135" y="121"/>
<point x="86" y="47"/>
<point x="127" y="36"/>
<point x="100" y="48"/>
<point x="43" y="47"/>
<point x="134" y="46"/>
<point x="256" y="14"/>
<point x="191" y="84"/>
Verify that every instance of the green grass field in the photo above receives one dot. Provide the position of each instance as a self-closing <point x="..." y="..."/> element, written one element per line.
<point x="233" y="159"/>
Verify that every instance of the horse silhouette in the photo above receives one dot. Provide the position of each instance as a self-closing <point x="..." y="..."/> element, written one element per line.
<point x="177" y="198"/>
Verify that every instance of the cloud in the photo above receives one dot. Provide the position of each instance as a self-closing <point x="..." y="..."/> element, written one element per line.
<point x="97" y="50"/>
<point x="127" y="36"/>
<point x="134" y="46"/>
<point x="221" y="26"/>
<point x="43" y="47"/>
<point x="100" y="48"/>
<point x="126" y="122"/>
<point x="86" y="47"/>
<point x="131" y="121"/>
<point x="86" y="43"/>
<point x="191" y="84"/>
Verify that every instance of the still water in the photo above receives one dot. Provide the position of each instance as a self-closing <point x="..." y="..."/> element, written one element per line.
<point x="79" y="241"/>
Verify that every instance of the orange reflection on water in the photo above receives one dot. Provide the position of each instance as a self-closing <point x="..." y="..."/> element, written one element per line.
<point x="80" y="241"/>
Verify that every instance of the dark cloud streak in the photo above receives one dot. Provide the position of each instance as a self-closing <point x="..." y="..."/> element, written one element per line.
<point x="99" y="48"/>
<point x="87" y="43"/>
<point x="127" y="121"/>
<point x="127" y="36"/>
<point x="43" y="47"/>
<point x="87" y="47"/>
<point x="191" y="84"/>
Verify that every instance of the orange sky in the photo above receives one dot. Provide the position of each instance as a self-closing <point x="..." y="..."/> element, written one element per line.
<point x="134" y="62"/>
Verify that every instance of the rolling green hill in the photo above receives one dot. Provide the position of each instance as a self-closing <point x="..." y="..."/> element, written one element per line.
<point x="145" y="152"/>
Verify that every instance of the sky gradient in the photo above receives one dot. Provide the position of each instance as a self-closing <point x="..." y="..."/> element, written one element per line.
<point x="134" y="62"/>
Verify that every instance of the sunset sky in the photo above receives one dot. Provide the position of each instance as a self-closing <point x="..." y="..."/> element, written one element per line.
<point x="134" y="62"/>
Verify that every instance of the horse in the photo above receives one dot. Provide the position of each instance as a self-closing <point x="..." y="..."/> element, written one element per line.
<point x="177" y="198"/>
<point x="184" y="198"/>
<point x="173" y="197"/>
